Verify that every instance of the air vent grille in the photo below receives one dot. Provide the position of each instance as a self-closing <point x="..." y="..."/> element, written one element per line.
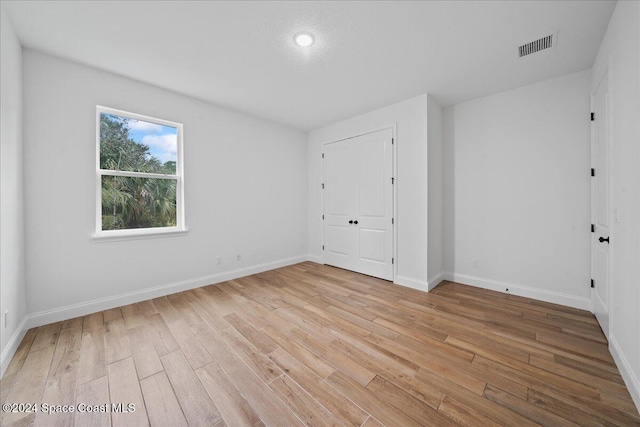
<point x="535" y="46"/>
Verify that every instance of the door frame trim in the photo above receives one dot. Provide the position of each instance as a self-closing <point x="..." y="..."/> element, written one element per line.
<point x="394" y="193"/>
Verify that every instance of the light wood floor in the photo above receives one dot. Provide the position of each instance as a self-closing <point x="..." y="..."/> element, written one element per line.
<point x="315" y="345"/>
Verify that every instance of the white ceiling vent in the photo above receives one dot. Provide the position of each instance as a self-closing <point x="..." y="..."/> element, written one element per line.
<point x="542" y="43"/>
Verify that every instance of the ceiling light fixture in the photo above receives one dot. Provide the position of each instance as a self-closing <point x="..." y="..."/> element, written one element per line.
<point x="303" y="39"/>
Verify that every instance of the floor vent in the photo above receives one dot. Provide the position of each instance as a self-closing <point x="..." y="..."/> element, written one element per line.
<point x="535" y="46"/>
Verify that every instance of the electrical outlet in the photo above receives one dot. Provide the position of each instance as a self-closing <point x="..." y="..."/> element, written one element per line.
<point x="238" y="257"/>
<point x="218" y="260"/>
<point x="476" y="263"/>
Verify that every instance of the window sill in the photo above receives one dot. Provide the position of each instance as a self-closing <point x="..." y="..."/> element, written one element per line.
<point x="137" y="235"/>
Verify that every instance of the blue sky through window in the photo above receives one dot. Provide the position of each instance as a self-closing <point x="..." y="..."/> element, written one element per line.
<point x="161" y="140"/>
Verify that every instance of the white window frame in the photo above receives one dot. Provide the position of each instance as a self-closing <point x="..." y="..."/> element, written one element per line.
<point x="137" y="233"/>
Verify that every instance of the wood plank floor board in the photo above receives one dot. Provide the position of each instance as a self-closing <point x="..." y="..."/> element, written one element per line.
<point x="260" y="364"/>
<point x="584" y="378"/>
<point x="440" y="365"/>
<point x="494" y="411"/>
<point x="337" y="403"/>
<point x="116" y="341"/>
<point x="259" y="340"/>
<point x="223" y="355"/>
<point x="317" y="364"/>
<point x="6" y="383"/>
<point x="315" y="345"/>
<point x="124" y="390"/>
<point x="235" y="410"/>
<point x="409" y="405"/>
<point x="370" y="401"/>
<point x="93" y="394"/>
<point x="92" y="321"/>
<point x="132" y="316"/>
<point x="269" y="407"/>
<point x="30" y="382"/>
<point x="76" y="322"/>
<point x="374" y="326"/>
<point x="21" y="352"/>
<point x="463" y="415"/>
<point x="298" y="318"/>
<point x="339" y="361"/>
<point x="187" y="312"/>
<point x="160" y="335"/>
<point x="166" y="310"/>
<point x="301" y="403"/>
<point x="67" y="353"/>
<point x="145" y="357"/>
<point x="161" y="402"/>
<point x="147" y="308"/>
<point x="112" y="314"/>
<point x="46" y="336"/>
<point x="610" y="415"/>
<point x="198" y="408"/>
<point x="92" y="364"/>
<point x="526" y="409"/>
<point x="201" y="302"/>
<point x="528" y="375"/>
<point x="195" y="352"/>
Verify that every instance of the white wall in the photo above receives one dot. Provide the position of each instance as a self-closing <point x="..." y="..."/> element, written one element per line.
<point x="517" y="191"/>
<point x="620" y="50"/>
<point x="12" y="266"/>
<point x="435" y="258"/>
<point x="410" y="117"/>
<point x="245" y="189"/>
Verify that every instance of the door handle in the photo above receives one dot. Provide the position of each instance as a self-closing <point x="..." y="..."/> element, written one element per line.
<point x="355" y="222"/>
<point x="350" y="221"/>
<point x="602" y="239"/>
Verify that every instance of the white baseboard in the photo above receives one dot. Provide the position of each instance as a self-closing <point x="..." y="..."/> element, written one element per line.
<point x="523" y="291"/>
<point x="82" y="309"/>
<point x="435" y="281"/>
<point x="314" y="258"/>
<point x="12" y="345"/>
<point x="409" y="282"/>
<point x="632" y="383"/>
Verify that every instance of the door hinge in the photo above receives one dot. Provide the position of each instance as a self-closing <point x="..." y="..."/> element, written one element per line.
<point x="593" y="284"/>
<point x="322" y="186"/>
<point x="593" y="228"/>
<point x="322" y="216"/>
<point x="323" y="155"/>
<point x="392" y="179"/>
<point x="392" y="222"/>
<point x="593" y="116"/>
<point x="392" y="260"/>
<point x="323" y="247"/>
<point x="391" y="141"/>
<point x="593" y="172"/>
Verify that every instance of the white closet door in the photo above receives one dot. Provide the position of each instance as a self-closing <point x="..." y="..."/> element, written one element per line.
<point x="600" y="240"/>
<point x="358" y="204"/>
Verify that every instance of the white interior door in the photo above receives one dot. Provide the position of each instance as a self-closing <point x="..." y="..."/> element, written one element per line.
<point x="358" y="204"/>
<point x="601" y="217"/>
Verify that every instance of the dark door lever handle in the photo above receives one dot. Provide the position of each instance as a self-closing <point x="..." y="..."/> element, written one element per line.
<point x="602" y="239"/>
<point x="355" y="222"/>
<point x="350" y="221"/>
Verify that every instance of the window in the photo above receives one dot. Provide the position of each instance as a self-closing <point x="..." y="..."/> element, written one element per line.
<point x="139" y="177"/>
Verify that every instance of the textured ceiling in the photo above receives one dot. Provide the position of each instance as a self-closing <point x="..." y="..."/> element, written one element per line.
<point x="367" y="54"/>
